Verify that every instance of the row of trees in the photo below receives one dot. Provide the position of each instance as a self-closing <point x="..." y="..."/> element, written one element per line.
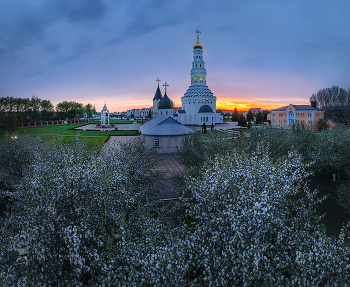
<point x="335" y="101"/>
<point x="329" y="151"/>
<point x="14" y="110"/>
<point x="73" y="109"/>
<point x="90" y="219"/>
<point x="259" y="117"/>
<point x="23" y="108"/>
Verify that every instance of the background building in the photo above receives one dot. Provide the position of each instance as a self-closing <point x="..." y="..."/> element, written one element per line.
<point x="295" y="114"/>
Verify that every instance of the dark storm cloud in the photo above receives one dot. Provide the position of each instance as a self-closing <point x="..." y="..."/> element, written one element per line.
<point x="146" y="16"/>
<point x="80" y="11"/>
<point x="24" y="22"/>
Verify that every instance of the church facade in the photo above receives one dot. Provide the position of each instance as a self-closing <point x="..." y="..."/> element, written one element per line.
<point x="199" y="103"/>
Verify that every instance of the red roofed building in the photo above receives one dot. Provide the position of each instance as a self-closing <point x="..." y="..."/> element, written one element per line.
<point x="295" y="114"/>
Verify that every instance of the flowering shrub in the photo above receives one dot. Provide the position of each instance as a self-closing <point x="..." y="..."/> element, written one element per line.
<point x="16" y="154"/>
<point x="253" y="223"/>
<point x="83" y="219"/>
<point x="331" y="153"/>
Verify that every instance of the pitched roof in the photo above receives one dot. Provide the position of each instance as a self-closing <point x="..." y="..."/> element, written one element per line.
<point x="298" y="108"/>
<point x="158" y="95"/>
<point x="166" y="127"/>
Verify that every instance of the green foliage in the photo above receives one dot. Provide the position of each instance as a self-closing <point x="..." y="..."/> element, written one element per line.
<point x="235" y="115"/>
<point x="280" y="141"/>
<point x="17" y="153"/>
<point x="250" y="116"/>
<point x="259" y="118"/>
<point x="331" y="152"/>
<point x="15" y="110"/>
<point x="242" y="121"/>
<point x="199" y="148"/>
<point x="335" y="101"/>
<point x="343" y="192"/>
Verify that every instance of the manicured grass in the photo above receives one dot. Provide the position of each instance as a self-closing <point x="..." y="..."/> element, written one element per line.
<point x="91" y="138"/>
<point x="336" y="216"/>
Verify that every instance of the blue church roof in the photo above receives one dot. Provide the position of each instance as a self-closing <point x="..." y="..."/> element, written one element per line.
<point x="167" y="127"/>
<point x="165" y="103"/>
<point x="158" y="94"/>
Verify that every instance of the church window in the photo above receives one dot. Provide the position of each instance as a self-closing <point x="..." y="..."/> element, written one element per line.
<point x="195" y="78"/>
<point x="166" y="112"/>
<point x="200" y="65"/>
<point x="207" y="118"/>
<point x="156" y="142"/>
<point x="196" y="65"/>
<point x="201" y="78"/>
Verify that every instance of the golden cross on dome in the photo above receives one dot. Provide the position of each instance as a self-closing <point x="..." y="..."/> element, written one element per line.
<point x="165" y="85"/>
<point x="158" y="80"/>
<point x="198" y="32"/>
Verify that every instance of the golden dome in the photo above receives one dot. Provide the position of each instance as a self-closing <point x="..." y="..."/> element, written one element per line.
<point x="198" y="45"/>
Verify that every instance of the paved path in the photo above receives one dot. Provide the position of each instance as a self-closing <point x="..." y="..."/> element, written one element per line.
<point x="114" y="141"/>
<point x="170" y="166"/>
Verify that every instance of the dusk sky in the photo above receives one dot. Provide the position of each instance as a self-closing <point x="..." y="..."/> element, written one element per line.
<point x="257" y="53"/>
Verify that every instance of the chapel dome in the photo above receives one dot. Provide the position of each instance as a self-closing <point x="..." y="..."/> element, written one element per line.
<point x="165" y="102"/>
<point x="198" y="45"/>
<point x="205" y="109"/>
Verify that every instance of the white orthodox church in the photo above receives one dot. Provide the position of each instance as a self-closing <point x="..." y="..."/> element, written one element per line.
<point x="198" y="103"/>
<point x="167" y="129"/>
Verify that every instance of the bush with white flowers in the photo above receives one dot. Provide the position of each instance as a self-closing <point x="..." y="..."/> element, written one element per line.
<point x="252" y="222"/>
<point x="84" y="219"/>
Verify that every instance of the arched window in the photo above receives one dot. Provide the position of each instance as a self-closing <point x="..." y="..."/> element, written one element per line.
<point x="195" y="78"/>
<point x="156" y="142"/>
<point x="201" y="78"/>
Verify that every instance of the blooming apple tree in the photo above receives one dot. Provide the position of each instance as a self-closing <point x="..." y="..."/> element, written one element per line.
<point x="251" y="222"/>
<point x="81" y="218"/>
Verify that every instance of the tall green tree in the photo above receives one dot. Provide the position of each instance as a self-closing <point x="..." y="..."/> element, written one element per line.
<point x="250" y="116"/>
<point x="259" y="118"/>
<point x="47" y="110"/>
<point x="89" y="111"/>
<point x="235" y="115"/>
<point x="69" y="110"/>
<point x="242" y="121"/>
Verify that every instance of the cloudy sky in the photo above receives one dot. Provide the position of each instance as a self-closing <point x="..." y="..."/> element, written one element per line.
<point x="257" y="53"/>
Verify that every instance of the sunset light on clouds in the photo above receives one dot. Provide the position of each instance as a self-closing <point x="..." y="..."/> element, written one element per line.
<point x="257" y="53"/>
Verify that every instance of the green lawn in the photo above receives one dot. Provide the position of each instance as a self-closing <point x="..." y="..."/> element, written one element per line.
<point x="91" y="138"/>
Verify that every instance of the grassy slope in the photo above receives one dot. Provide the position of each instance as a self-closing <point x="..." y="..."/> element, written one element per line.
<point x="92" y="138"/>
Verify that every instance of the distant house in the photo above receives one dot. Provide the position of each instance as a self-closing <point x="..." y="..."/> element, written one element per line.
<point x="138" y="113"/>
<point x="295" y="114"/>
<point x="256" y="110"/>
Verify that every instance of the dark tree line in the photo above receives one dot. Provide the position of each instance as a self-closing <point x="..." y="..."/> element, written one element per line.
<point x="335" y="101"/>
<point x="16" y="110"/>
